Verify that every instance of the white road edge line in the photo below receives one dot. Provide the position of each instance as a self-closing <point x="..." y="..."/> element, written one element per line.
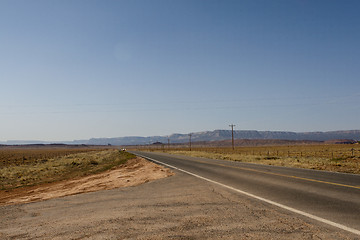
<point x="334" y="224"/>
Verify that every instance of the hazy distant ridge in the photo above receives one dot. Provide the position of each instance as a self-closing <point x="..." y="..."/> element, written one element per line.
<point x="216" y="135"/>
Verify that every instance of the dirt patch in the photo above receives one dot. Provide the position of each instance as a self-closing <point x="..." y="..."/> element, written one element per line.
<point x="136" y="171"/>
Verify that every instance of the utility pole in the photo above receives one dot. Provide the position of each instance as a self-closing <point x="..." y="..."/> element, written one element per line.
<point x="190" y="134"/>
<point x="232" y="135"/>
<point x="168" y="142"/>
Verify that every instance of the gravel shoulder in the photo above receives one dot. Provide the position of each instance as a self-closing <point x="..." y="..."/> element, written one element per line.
<point x="177" y="207"/>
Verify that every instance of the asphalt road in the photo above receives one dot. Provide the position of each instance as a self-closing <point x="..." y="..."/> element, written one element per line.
<point x="331" y="198"/>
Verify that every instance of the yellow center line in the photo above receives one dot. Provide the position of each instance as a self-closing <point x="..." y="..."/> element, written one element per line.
<point x="282" y="175"/>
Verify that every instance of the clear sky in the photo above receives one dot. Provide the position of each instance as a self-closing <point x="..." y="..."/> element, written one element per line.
<point x="76" y="69"/>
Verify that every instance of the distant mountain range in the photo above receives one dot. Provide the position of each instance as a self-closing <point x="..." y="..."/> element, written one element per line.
<point x="216" y="135"/>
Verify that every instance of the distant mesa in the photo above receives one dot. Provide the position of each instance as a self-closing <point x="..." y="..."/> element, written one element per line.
<point x="223" y="135"/>
<point x="349" y="136"/>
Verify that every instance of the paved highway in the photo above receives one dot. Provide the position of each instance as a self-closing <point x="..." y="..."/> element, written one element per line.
<point x="330" y="198"/>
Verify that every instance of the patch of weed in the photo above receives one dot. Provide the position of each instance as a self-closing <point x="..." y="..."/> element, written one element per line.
<point x="271" y="158"/>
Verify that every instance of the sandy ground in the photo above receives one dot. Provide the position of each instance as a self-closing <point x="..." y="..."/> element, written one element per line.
<point x="134" y="172"/>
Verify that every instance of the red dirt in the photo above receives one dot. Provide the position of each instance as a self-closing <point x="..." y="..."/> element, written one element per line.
<point x="136" y="171"/>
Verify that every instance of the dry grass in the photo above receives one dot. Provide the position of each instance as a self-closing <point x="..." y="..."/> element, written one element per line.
<point x="337" y="158"/>
<point x="25" y="155"/>
<point x="63" y="166"/>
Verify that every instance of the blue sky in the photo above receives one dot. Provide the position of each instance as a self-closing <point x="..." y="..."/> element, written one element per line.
<point x="81" y="69"/>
